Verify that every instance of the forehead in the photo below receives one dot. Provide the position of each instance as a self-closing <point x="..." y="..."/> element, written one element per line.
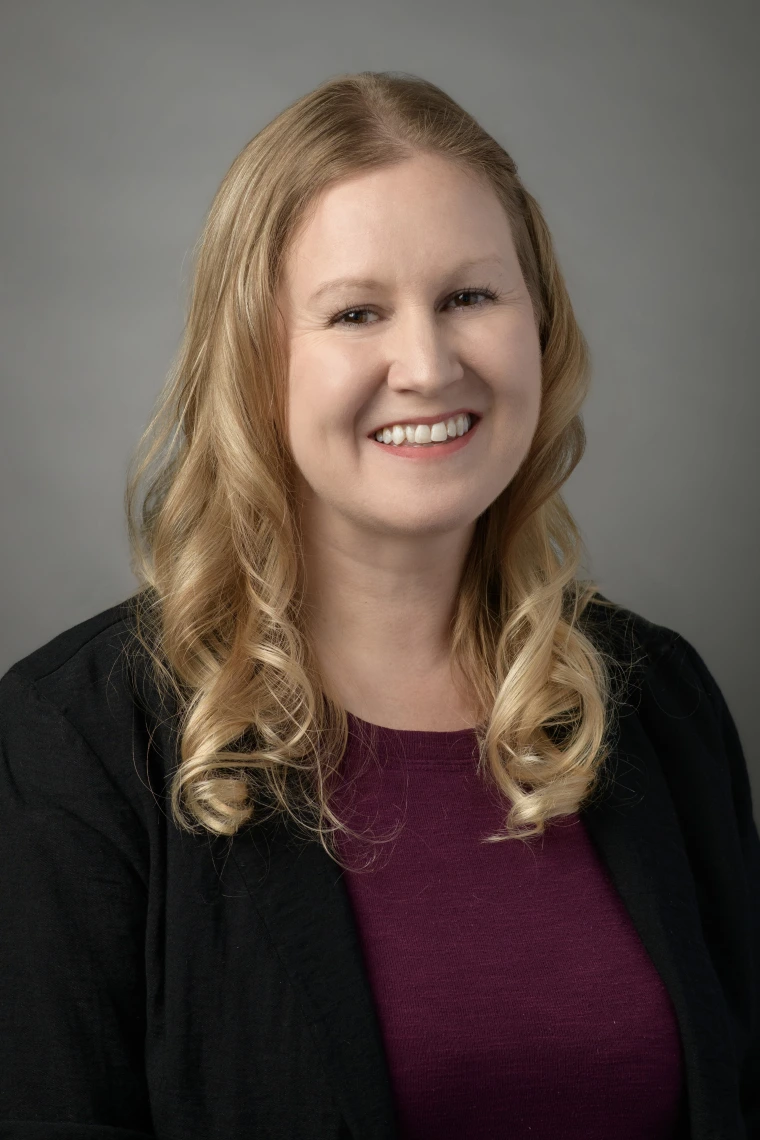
<point x="412" y="221"/>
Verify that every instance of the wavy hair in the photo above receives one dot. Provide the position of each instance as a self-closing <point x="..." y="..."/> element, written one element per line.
<point x="213" y="529"/>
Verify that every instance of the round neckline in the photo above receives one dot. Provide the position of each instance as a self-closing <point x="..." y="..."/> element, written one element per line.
<point x="439" y="734"/>
<point x="404" y="747"/>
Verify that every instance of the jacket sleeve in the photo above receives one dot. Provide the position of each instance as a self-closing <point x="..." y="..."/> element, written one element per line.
<point x="73" y="893"/>
<point x="750" y="848"/>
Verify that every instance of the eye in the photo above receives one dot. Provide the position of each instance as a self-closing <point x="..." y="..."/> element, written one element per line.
<point x="338" y="319"/>
<point x="474" y="293"/>
<point x="489" y="294"/>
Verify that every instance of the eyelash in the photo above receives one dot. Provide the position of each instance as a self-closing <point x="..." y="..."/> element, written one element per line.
<point x="491" y="294"/>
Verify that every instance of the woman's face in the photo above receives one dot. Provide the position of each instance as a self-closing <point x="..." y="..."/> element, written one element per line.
<point x="411" y="340"/>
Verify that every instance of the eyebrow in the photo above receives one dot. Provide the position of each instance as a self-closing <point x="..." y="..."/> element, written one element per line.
<point x="371" y="283"/>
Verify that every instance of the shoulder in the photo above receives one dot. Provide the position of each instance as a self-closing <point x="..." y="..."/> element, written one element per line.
<point x="83" y="670"/>
<point x="628" y="637"/>
<point x="79" y="710"/>
<point x="677" y="701"/>
<point x="664" y="679"/>
<point x="659" y="657"/>
<point x="92" y="642"/>
<point x="660" y="661"/>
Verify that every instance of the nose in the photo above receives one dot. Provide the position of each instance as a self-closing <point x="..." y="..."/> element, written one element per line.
<point x="421" y="355"/>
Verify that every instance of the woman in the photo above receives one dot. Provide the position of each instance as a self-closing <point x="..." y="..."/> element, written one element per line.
<point x="258" y="867"/>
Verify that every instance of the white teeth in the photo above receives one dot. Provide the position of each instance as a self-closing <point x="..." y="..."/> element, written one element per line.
<point x="423" y="433"/>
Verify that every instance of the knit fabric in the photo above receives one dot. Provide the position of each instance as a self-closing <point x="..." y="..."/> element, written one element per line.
<point x="514" y="994"/>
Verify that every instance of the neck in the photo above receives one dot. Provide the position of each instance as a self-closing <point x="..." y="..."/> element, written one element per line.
<point x="379" y="608"/>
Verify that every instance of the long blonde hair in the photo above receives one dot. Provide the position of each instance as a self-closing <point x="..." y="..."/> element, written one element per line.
<point x="215" y="541"/>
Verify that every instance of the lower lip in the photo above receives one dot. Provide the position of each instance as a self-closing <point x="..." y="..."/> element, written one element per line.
<point x="431" y="451"/>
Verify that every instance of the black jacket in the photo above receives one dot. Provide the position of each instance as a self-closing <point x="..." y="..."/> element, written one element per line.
<point x="155" y="983"/>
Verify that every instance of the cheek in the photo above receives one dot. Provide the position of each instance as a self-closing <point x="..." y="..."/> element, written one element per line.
<point x="523" y="409"/>
<point x="326" y="391"/>
<point x="327" y="387"/>
<point x="507" y="344"/>
<point x="511" y="357"/>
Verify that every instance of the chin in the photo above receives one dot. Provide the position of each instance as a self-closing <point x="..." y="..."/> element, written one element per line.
<point x="427" y="523"/>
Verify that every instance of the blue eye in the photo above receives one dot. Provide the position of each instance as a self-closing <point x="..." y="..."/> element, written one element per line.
<point x="489" y="294"/>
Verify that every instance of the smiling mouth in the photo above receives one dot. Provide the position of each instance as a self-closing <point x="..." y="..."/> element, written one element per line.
<point x="426" y="435"/>
<point x="432" y="452"/>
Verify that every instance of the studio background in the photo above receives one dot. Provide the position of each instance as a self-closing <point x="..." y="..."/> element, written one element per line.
<point x="633" y="123"/>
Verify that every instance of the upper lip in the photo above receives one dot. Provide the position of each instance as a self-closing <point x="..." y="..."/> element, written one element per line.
<point x="442" y="417"/>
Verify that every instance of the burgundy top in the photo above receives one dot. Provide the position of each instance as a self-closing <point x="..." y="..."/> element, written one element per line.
<point x="514" y="994"/>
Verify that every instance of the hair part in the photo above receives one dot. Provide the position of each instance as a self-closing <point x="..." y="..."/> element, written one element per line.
<point x="213" y="525"/>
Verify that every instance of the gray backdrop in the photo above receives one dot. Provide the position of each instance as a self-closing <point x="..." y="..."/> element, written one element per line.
<point x="635" y="125"/>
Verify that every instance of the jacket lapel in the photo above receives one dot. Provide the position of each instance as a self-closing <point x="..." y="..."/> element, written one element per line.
<point x="301" y="896"/>
<point x="635" y="828"/>
<point x="633" y="824"/>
